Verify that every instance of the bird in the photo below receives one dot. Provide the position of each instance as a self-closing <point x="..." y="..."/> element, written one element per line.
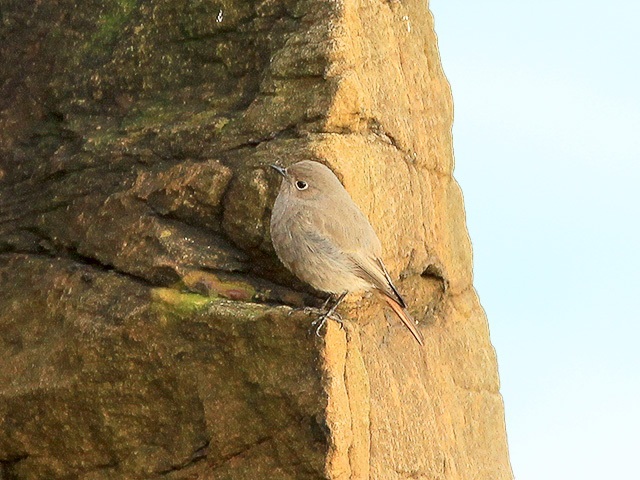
<point x="324" y="239"/>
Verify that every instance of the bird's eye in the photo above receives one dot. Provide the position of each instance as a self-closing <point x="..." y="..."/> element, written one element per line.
<point x="300" y="185"/>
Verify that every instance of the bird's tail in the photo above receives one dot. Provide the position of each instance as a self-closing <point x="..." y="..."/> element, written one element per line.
<point x="406" y="319"/>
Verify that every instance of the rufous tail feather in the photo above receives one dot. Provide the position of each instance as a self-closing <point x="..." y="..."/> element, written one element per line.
<point x="406" y="319"/>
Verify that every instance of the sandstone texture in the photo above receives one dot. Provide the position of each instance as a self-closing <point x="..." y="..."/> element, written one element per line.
<point x="147" y="329"/>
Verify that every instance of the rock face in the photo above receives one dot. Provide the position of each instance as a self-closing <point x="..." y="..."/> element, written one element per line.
<point x="145" y="322"/>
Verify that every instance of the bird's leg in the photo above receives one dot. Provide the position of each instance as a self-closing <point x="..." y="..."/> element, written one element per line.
<point x="321" y="310"/>
<point x="326" y="302"/>
<point x="331" y="313"/>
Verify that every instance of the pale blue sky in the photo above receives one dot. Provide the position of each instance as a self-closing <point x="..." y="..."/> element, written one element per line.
<point x="547" y="147"/>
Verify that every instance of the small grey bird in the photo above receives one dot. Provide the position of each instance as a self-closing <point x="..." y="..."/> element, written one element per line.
<point x="321" y="235"/>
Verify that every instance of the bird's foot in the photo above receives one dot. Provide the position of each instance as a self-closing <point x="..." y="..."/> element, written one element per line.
<point x="308" y="311"/>
<point x="322" y="315"/>
<point x="319" y="322"/>
<point x="313" y="311"/>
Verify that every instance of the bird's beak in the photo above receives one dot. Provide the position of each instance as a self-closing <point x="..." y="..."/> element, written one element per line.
<point x="280" y="170"/>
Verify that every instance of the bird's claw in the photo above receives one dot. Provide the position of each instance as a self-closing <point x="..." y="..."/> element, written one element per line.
<point x="319" y="322"/>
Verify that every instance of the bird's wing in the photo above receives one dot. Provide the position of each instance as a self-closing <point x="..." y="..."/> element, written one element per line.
<point x="374" y="271"/>
<point x="354" y="237"/>
<point x="347" y="227"/>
